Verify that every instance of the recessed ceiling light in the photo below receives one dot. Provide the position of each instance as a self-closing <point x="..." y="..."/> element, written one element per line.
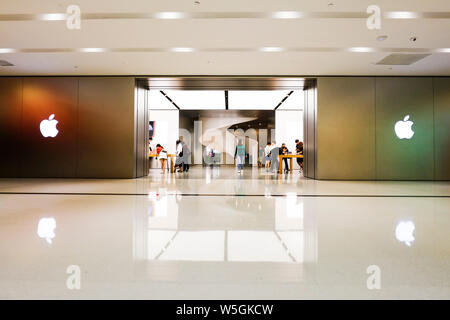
<point x="331" y="4"/>
<point x="413" y="39"/>
<point x="52" y="16"/>
<point x="182" y="49"/>
<point x="92" y="50"/>
<point x="382" y="38"/>
<point x="196" y="2"/>
<point x="271" y="49"/>
<point x="360" y="49"/>
<point x="402" y="15"/>
<point x="170" y="15"/>
<point x="286" y="15"/>
<point x="7" y="50"/>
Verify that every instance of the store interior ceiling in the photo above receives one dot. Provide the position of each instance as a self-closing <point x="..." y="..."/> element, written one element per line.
<point x="226" y="99"/>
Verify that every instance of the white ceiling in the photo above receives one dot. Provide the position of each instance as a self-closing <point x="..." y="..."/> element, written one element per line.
<point x="255" y="99"/>
<point x="230" y="46"/>
<point x="197" y="100"/>
<point x="215" y="100"/>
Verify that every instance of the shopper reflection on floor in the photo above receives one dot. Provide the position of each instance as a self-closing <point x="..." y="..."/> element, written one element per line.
<point x="239" y="155"/>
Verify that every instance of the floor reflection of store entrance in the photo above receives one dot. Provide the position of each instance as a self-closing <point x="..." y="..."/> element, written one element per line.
<point x="210" y="119"/>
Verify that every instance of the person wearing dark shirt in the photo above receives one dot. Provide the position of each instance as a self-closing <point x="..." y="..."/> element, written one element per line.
<point x="187" y="156"/>
<point x="284" y="150"/>
<point x="299" y="150"/>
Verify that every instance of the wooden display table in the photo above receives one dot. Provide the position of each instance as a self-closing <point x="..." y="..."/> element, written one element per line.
<point x="290" y="156"/>
<point x="169" y="156"/>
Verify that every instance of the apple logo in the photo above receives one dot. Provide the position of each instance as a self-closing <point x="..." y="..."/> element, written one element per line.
<point x="46" y="229"/>
<point x="404" y="232"/>
<point x="403" y="128"/>
<point x="48" y="127"/>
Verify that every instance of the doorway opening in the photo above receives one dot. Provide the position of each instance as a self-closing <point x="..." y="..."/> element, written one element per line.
<point x="203" y="120"/>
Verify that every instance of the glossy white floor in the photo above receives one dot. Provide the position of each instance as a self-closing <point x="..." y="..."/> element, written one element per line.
<point x="211" y="234"/>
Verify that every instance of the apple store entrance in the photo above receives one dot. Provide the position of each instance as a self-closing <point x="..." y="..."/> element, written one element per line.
<point x="198" y="124"/>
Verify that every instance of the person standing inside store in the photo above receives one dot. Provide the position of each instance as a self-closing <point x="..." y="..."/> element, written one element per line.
<point x="299" y="151"/>
<point x="267" y="155"/>
<point x="179" y="160"/>
<point x="239" y="155"/>
<point x="162" y="155"/>
<point x="284" y="151"/>
<point x="151" y="146"/>
<point x="274" y="152"/>
<point x="186" y="156"/>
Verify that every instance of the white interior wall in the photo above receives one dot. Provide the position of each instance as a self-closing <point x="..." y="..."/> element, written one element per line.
<point x="288" y="128"/>
<point x="166" y="128"/>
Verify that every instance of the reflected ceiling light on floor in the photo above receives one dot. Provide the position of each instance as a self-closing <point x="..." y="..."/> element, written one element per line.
<point x="182" y="49"/>
<point x="361" y="49"/>
<point x="46" y="229"/>
<point x="271" y="49"/>
<point x="92" y="50"/>
<point x="170" y="15"/>
<point x="51" y="17"/>
<point x="443" y="50"/>
<point x="7" y="50"/>
<point x="286" y="15"/>
<point x="404" y="232"/>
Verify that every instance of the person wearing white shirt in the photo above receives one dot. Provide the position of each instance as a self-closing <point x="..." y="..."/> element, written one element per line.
<point x="267" y="155"/>
<point x="274" y="152"/>
<point x="179" y="160"/>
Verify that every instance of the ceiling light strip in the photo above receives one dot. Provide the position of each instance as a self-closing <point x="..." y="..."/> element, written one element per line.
<point x="284" y="99"/>
<point x="176" y="15"/>
<point x="168" y="98"/>
<point x="226" y="99"/>
<point x="190" y="50"/>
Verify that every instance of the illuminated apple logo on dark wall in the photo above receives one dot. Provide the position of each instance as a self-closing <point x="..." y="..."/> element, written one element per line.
<point x="48" y="127"/>
<point x="403" y="129"/>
